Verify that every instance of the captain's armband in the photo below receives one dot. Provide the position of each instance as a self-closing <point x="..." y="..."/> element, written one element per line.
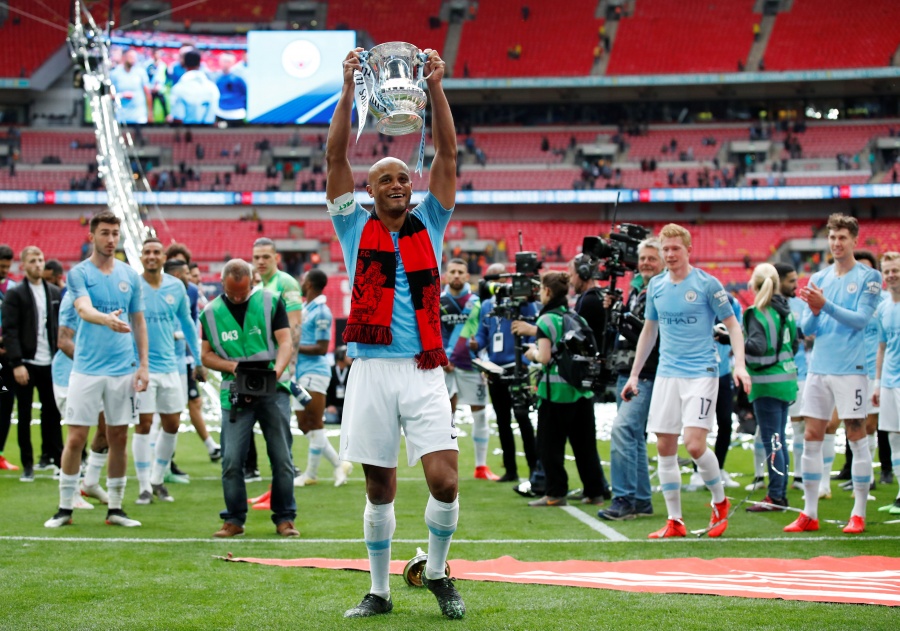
<point x="343" y="205"/>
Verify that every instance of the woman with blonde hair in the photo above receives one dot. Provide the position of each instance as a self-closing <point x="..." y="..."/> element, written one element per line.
<point x="770" y="334"/>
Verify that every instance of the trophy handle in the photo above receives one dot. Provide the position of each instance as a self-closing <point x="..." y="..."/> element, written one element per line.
<point x="421" y="58"/>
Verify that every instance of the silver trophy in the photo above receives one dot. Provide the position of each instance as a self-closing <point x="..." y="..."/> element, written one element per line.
<point x="393" y="75"/>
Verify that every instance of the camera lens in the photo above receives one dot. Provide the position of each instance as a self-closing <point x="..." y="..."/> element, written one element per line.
<point x="255" y="383"/>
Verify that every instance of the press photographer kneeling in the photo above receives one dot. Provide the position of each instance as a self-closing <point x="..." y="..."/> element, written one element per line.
<point x="246" y="337"/>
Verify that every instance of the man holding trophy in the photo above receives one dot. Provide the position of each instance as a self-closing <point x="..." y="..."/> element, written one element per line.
<point x="393" y="331"/>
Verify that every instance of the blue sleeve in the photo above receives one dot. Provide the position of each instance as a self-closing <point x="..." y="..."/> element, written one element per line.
<point x="323" y="325"/>
<point x="187" y="324"/>
<point x="178" y="109"/>
<point x="720" y="300"/>
<point x="137" y="296"/>
<point x="435" y="217"/>
<point x="882" y="336"/>
<point x="650" y="308"/>
<point x="76" y="285"/>
<point x="481" y="335"/>
<point x="868" y="302"/>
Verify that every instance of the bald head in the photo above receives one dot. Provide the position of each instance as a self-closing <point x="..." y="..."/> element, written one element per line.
<point x="494" y="269"/>
<point x="386" y="164"/>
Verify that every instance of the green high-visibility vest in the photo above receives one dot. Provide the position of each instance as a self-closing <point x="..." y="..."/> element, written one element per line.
<point x="774" y="373"/>
<point x="254" y="342"/>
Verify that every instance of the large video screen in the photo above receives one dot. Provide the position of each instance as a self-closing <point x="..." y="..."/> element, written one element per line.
<point x="296" y="75"/>
<point x="266" y="77"/>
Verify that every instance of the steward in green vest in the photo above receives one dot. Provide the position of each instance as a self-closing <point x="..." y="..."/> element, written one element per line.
<point x="771" y="340"/>
<point x="252" y="342"/>
<point x="249" y="329"/>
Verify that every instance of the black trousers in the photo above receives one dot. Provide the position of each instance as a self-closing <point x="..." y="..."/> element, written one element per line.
<point x="40" y="379"/>
<point x="558" y="422"/>
<point x="7" y="401"/>
<point x="502" y="402"/>
<point x="724" y="410"/>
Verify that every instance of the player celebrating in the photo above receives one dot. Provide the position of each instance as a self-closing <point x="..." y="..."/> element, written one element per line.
<point x="841" y="300"/>
<point x="682" y="306"/>
<point x="888" y="364"/>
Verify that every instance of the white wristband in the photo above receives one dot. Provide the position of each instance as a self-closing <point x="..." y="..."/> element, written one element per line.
<point x="876" y="385"/>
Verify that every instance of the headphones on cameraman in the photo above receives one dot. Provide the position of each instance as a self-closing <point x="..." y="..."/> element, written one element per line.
<point x="583" y="267"/>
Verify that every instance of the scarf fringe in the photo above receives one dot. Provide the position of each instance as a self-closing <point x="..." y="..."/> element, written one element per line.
<point x="368" y="334"/>
<point x="426" y="360"/>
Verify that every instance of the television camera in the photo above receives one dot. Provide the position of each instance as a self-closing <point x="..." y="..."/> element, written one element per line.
<point x="509" y="298"/>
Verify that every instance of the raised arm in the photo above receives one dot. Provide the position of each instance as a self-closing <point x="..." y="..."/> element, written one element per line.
<point x="442" y="178"/>
<point x="337" y="164"/>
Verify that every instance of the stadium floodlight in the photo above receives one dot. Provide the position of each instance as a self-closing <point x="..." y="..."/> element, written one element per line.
<point x="89" y="49"/>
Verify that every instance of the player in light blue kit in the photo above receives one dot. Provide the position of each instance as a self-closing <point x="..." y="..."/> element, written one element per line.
<point x="60" y="371"/>
<point x="887" y="382"/>
<point x="314" y="374"/>
<point x="682" y="306"/>
<point x="840" y="301"/>
<point x="168" y="315"/>
<point x="195" y="97"/>
<point x="132" y="86"/>
<point x="107" y="373"/>
<point x="392" y="255"/>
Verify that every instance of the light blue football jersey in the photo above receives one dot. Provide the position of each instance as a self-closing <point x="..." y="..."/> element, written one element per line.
<point x="61" y="366"/>
<point x="168" y="310"/>
<point x="686" y="312"/>
<point x="404" y="327"/>
<point x="316" y="327"/>
<point x="840" y="326"/>
<point x="888" y="321"/>
<point x="98" y="350"/>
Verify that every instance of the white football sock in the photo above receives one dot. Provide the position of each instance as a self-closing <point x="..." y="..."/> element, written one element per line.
<point x="670" y="483"/>
<point x="827" y="463"/>
<point x="379" y="524"/>
<point x="211" y="445"/>
<point x="759" y="456"/>
<point x="327" y="449"/>
<point x="481" y="434"/>
<point x="873" y="445"/>
<point x="68" y="487"/>
<point x="142" y="453"/>
<point x="799" y="429"/>
<point x="441" y="519"/>
<point x="116" y="489"/>
<point x="314" y="455"/>
<point x="708" y="466"/>
<point x="861" y="472"/>
<point x="95" y="464"/>
<point x="165" y="447"/>
<point x="812" y="477"/>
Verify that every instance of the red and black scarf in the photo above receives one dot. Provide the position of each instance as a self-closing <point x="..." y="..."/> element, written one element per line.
<point x="372" y="300"/>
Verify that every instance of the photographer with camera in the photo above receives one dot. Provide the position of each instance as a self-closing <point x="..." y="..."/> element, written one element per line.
<point x="565" y="411"/>
<point x="628" y="441"/>
<point x="496" y="336"/>
<point x="247" y="337"/>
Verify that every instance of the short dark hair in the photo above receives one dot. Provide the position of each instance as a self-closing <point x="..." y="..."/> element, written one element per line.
<point x="784" y="269"/>
<point x="151" y="240"/>
<point x="265" y="242"/>
<point x="104" y="216"/>
<point x="866" y="255"/>
<point x="172" y="265"/>
<point x="6" y="253"/>
<point x="317" y="278"/>
<point x="193" y="265"/>
<point x="840" y="221"/>
<point x="191" y="59"/>
<point x="54" y="266"/>
<point x="178" y="248"/>
<point x="457" y="262"/>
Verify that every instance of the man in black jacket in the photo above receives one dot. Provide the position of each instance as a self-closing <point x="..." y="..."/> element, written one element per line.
<point x="30" y="319"/>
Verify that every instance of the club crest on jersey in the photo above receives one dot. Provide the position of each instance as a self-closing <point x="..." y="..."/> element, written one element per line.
<point x="123" y="287"/>
<point x="170" y="299"/>
<point x="852" y="288"/>
<point x="690" y="295"/>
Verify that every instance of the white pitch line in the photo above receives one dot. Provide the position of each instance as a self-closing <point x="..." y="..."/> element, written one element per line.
<point x="295" y="541"/>
<point x="594" y="524"/>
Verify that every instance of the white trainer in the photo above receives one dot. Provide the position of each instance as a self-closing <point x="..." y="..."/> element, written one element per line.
<point x="96" y="491"/>
<point x="727" y="482"/>
<point x="119" y="518"/>
<point x="342" y="472"/>
<point x="80" y="502"/>
<point x="59" y="519"/>
<point x="303" y="480"/>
